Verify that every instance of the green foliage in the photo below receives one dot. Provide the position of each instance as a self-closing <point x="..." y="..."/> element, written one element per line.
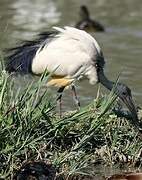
<point x="30" y="129"/>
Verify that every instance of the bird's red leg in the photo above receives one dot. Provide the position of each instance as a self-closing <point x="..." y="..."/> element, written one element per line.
<point x="59" y="99"/>
<point x="77" y="102"/>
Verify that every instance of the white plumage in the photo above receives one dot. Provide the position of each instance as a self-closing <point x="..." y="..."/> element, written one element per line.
<point x="71" y="53"/>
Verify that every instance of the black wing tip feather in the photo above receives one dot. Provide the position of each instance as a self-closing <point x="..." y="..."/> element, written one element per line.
<point x="20" y="58"/>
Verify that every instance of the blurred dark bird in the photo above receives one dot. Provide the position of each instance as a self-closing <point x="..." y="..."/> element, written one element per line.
<point x="69" y="54"/>
<point x="86" y="23"/>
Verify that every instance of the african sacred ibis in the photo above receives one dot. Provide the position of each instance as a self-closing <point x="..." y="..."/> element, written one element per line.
<point x="86" y="23"/>
<point x="71" y="54"/>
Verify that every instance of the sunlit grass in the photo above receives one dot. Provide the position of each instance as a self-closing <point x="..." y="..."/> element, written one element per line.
<point x="30" y="129"/>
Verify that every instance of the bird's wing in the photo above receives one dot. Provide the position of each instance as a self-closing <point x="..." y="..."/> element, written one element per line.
<point x="20" y="57"/>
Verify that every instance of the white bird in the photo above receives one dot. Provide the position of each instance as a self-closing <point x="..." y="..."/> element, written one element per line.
<point x="71" y="54"/>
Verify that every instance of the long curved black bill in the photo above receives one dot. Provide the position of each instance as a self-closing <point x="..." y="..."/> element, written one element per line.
<point x="131" y="106"/>
<point x="124" y="93"/>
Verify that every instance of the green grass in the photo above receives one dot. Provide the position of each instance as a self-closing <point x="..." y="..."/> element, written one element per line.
<point x="31" y="129"/>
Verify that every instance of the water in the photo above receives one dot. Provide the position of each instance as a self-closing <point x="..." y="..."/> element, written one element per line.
<point x="121" y="43"/>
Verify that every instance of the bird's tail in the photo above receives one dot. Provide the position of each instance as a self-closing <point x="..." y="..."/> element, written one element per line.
<point x="20" y="58"/>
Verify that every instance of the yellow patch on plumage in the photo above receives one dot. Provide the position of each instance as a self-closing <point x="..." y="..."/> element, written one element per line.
<point x="59" y="82"/>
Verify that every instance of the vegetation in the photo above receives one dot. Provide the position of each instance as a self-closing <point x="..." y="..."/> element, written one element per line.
<point x="30" y="129"/>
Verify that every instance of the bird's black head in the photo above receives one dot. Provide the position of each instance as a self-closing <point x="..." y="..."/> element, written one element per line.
<point x="124" y="93"/>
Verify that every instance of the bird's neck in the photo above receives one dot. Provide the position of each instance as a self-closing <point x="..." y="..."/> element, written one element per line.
<point x="104" y="81"/>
